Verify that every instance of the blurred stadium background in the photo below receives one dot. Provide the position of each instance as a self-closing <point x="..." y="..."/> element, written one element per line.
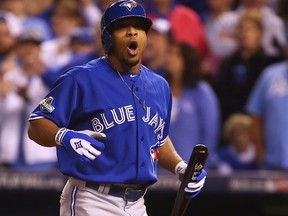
<point x="261" y="193"/>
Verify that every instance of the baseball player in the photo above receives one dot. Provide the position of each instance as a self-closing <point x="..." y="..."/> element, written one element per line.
<point x="109" y="120"/>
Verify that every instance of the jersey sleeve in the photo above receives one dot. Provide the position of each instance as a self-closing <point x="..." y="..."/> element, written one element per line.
<point x="60" y="102"/>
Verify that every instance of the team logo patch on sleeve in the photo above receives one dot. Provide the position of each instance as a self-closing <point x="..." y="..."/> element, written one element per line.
<point x="129" y="5"/>
<point x="46" y="104"/>
<point x="154" y="154"/>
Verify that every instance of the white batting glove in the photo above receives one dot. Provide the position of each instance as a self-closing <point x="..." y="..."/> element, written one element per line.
<point x="194" y="187"/>
<point x="82" y="142"/>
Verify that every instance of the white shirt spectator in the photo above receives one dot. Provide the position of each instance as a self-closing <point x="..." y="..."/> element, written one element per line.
<point x="220" y="33"/>
<point x="274" y="29"/>
<point x="13" y="110"/>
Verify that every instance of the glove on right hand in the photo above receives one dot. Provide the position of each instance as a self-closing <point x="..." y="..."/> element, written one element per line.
<point x="83" y="142"/>
<point x="193" y="188"/>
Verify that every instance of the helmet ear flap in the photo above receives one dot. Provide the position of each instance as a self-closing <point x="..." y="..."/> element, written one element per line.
<point x="106" y="39"/>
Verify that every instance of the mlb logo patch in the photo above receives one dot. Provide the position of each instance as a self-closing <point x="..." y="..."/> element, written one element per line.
<point x="129" y="5"/>
<point x="46" y="104"/>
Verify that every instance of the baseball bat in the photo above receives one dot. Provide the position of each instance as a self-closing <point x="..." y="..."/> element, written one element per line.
<point x="194" y="167"/>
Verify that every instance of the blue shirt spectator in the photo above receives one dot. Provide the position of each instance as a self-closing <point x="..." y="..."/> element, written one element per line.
<point x="195" y="119"/>
<point x="195" y="113"/>
<point x="268" y="105"/>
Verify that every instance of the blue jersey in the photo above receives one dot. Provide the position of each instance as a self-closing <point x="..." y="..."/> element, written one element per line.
<point x="95" y="97"/>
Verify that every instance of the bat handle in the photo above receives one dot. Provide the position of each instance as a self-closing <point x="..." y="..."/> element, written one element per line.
<point x="194" y="167"/>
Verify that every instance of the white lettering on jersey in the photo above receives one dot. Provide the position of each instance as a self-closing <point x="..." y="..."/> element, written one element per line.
<point x="126" y="114"/>
<point x="146" y="119"/>
<point x="115" y="117"/>
<point x="96" y="124"/>
<point x="129" y="113"/>
<point x="154" y="120"/>
<point x="106" y="124"/>
<point x="160" y="128"/>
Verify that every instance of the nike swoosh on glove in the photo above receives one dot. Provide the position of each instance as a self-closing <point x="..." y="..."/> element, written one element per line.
<point x="82" y="142"/>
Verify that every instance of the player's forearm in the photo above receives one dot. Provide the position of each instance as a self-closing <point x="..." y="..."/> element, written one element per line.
<point x="43" y="132"/>
<point x="168" y="157"/>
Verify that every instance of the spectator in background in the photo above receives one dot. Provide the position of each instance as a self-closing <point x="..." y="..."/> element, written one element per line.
<point x="20" y="10"/>
<point x="239" y="153"/>
<point x="268" y="105"/>
<point x="195" y="113"/>
<point x="282" y="8"/>
<point x="39" y="8"/>
<point x="24" y="90"/>
<point x="200" y="7"/>
<point x="66" y="18"/>
<point x="238" y="72"/>
<point x="10" y="28"/>
<point x="273" y="39"/>
<point x="82" y="45"/>
<point x="186" y="25"/>
<point x="272" y="4"/>
<point x="91" y="12"/>
<point x="98" y="43"/>
<point x="104" y="4"/>
<point x="42" y="9"/>
<point x="157" y="45"/>
<point x="220" y="27"/>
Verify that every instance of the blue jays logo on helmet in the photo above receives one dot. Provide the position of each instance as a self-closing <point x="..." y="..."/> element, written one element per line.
<point x="129" y="5"/>
<point x="117" y="11"/>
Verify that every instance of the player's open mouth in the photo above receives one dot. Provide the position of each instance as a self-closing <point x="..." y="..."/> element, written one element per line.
<point x="132" y="48"/>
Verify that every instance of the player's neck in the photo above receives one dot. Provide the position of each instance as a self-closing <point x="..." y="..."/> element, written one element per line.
<point x="121" y="66"/>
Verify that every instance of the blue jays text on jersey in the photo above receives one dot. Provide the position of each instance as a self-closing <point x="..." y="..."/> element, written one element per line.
<point x="126" y="114"/>
<point x="93" y="97"/>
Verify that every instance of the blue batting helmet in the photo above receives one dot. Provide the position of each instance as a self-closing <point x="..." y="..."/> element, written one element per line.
<point x="117" y="11"/>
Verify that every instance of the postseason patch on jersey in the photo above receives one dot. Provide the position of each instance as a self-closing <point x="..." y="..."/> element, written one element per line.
<point x="129" y="5"/>
<point x="46" y="104"/>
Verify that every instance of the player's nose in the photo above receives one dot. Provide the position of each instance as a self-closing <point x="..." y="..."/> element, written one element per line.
<point x="132" y="32"/>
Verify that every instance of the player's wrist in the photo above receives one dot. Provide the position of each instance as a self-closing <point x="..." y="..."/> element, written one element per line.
<point x="59" y="135"/>
<point x="180" y="168"/>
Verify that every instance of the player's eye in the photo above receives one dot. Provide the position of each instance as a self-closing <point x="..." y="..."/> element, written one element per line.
<point x="125" y="23"/>
<point x="139" y="25"/>
<point x="121" y="25"/>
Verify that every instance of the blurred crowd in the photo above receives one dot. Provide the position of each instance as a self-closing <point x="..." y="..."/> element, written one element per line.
<point x="225" y="61"/>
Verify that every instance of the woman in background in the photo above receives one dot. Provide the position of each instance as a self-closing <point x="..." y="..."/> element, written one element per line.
<point x="195" y="113"/>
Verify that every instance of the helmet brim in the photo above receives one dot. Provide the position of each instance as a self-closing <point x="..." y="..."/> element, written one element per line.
<point x="147" y="22"/>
